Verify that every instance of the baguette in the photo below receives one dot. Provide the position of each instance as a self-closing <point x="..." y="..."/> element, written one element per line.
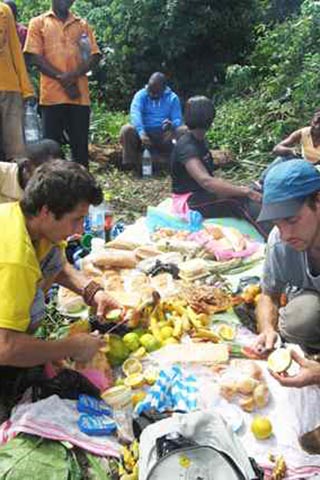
<point x="114" y="258"/>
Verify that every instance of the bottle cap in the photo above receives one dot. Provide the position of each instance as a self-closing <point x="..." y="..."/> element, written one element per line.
<point x="86" y="240"/>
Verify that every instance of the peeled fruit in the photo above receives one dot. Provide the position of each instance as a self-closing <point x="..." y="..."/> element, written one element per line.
<point x="166" y="332"/>
<point x="131" y="366"/>
<point x="151" y="375"/>
<point x="114" y="315"/>
<point x="138" y="397"/>
<point x="149" y="342"/>
<point x="261" y="395"/>
<point x="261" y="427"/>
<point x="226" y="332"/>
<point x="279" y="361"/>
<point x="140" y="353"/>
<point x="132" y="342"/>
<point x="246" y="385"/>
<point x="247" y="404"/>
<point x="228" y="390"/>
<point x="136" y="380"/>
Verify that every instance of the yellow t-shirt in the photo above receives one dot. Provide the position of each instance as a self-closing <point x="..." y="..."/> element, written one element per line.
<point x="13" y="72"/>
<point x="10" y="190"/>
<point x="20" y="271"/>
<point x="309" y="151"/>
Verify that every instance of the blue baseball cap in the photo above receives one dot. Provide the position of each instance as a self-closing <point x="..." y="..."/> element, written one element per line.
<point x="286" y="187"/>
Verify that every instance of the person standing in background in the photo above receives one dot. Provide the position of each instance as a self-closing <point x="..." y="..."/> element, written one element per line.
<point x="21" y="29"/>
<point x="63" y="47"/>
<point x="15" y="87"/>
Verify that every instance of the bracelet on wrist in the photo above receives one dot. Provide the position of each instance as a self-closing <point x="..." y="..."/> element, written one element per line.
<point x="89" y="292"/>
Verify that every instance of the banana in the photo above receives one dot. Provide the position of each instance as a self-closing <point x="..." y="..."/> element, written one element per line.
<point x="193" y="317"/>
<point x="207" y="334"/>
<point x="178" y="328"/>
<point x="186" y="324"/>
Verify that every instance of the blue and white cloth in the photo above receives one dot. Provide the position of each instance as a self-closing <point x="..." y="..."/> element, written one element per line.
<point x="174" y="390"/>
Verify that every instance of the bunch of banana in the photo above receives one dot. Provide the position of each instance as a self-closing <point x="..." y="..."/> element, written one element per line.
<point x="181" y="319"/>
<point x="128" y="466"/>
<point x="280" y="468"/>
<point x="140" y="315"/>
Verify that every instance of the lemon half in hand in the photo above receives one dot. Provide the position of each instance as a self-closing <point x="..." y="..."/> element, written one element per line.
<point x="280" y="360"/>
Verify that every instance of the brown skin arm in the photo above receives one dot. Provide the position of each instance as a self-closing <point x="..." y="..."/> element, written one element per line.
<point x="218" y="186"/>
<point x="22" y="350"/>
<point x="267" y="313"/>
<point x="43" y="65"/>
<point x="65" y="78"/>
<point x="285" y="148"/>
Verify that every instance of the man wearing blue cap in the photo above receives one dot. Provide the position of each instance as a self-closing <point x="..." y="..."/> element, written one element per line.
<point x="291" y="200"/>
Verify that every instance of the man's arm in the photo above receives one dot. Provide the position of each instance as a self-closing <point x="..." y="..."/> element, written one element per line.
<point x="136" y="114"/>
<point x="76" y="281"/>
<point x="43" y="65"/>
<point x="284" y="148"/>
<point x="218" y="186"/>
<point x="22" y="350"/>
<point x="309" y="373"/>
<point x="267" y="313"/>
<point x="18" y="59"/>
<point x="176" y="113"/>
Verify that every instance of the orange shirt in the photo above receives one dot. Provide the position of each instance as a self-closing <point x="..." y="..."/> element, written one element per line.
<point x="57" y="42"/>
<point x="13" y="72"/>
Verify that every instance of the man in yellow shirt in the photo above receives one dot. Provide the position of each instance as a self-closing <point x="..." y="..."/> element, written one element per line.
<point x="53" y="207"/>
<point x="14" y="86"/>
<point x="64" y="49"/>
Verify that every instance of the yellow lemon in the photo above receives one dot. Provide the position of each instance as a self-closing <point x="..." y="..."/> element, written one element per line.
<point x="132" y="342"/>
<point x="226" y="332"/>
<point x="166" y="332"/>
<point x="131" y="366"/>
<point x="136" y="380"/>
<point x="261" y="427"/>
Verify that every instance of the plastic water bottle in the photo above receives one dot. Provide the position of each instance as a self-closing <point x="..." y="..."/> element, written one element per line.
<point x="146" y="163"/>
<point x="108" y="217"/>
<point x="195" y="221"/>
<point x="32" y="129"/>
<point x="85" y="47"/>
<point x="97" y="221"/>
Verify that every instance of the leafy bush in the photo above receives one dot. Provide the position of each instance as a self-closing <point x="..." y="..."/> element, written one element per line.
<point x="276" y="92"/>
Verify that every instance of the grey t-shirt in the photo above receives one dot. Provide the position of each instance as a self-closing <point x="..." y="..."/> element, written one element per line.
<point x="285" y="268"/>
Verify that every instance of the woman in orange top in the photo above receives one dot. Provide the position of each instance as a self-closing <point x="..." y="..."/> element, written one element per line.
<point x="303" y="143"/>
<point x="307" y="138"/>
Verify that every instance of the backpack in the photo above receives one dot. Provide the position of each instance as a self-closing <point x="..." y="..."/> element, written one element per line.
<point x="194" y="446"/>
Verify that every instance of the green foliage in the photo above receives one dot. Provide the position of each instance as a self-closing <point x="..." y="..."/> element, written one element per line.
<point x="105" y="125"/>
<point x="276" y="92"/>
<point x="191" y="41"/>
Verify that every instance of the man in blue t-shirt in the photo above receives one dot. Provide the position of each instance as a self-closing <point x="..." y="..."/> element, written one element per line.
<point x="155" y="118"/>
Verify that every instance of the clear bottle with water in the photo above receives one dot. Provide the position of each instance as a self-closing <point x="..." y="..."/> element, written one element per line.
<point x="146" y="163"/>
<point x="32" y="128"/>
<point x="85" y="47"/>
<point x="96" y="215"/>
